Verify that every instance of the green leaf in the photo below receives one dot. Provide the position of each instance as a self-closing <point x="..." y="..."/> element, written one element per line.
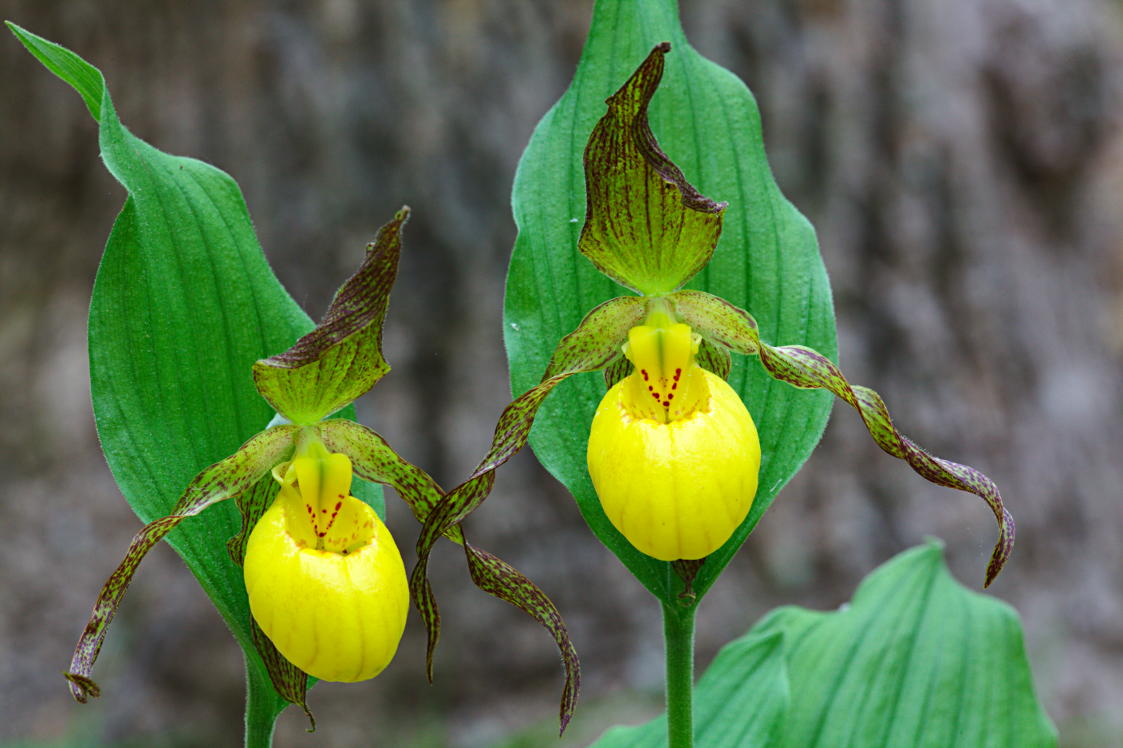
<point x="741" y="700"/>
<point x="767" y="259"/>
<point x="183" y="304"/>
<point x="342" y="358"/>
<point x="916" y="659"/>
<point x="645" y="226"/>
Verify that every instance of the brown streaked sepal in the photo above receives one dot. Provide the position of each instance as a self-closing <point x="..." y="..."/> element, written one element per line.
<point x="646" y="226"/>
<point x="617" y="370"/>
<point x="288" y="680"/>
<point x="342" y="357"/>
<point x="714" y="358"/>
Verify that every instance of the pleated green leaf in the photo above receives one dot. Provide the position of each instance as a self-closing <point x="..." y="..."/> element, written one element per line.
<point x="741" y="700"/>
<point x="767" y="259"/>
<point x="183" y="304"/>
<point x="916" y="660"/>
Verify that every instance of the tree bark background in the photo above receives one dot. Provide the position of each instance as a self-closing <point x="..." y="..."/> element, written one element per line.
<point x="962" y="162"/>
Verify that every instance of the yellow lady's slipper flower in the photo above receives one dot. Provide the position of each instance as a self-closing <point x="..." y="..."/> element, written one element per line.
<point x="673" y="452"/>
<point x="326" y="582"/>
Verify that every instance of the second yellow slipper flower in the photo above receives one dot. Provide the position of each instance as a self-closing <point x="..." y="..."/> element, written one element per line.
<point x="673" y="452"/>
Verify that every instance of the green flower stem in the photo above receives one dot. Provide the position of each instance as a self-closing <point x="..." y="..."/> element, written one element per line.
<point x="262" y="707"/>
<point x="678" y="631"/>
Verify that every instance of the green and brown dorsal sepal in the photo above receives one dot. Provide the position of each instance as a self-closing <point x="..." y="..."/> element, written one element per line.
<point x="646" y="227"/>
<point x="342" y="357"/>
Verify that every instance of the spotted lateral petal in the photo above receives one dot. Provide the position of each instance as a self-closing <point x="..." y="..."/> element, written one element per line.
<point x="714" y="358"/>
<point x="802" y="367"/>
<point x="646" y="227"/>
<point x="288" y="680"/>
<point x="615" y="372"/>
<point x="342" y="357"/>
<point x="374" y="460"/>
<point x="223" y="480"/>
<point x="591" y="347"/>
<point x="496" y="577"/>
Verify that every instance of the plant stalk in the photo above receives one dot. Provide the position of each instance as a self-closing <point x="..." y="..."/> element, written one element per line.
<point x="262" y="707"/>
<point x="678" y="632"/>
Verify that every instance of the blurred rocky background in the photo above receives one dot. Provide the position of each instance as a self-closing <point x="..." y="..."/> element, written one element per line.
<point x="961" y="160"/>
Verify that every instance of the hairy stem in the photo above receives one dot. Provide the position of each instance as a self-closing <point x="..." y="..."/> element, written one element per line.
<point x="678" y="631"/>
<point x="262" y="707"/>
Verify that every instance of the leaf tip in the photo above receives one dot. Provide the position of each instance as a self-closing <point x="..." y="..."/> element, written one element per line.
<point x="18" y="31"/>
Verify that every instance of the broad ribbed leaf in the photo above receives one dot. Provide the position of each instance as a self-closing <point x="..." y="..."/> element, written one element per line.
<point x="183" y="304"/>
<point x="767" y="260"/>
<point x="342" y="358"/>
<point x="741" y="700"/>
<point x="915" y="660"/>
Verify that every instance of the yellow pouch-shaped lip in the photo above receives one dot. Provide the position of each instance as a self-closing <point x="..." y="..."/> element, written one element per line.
<point x="676" y="489"/>
<point x="338" y="615"/>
